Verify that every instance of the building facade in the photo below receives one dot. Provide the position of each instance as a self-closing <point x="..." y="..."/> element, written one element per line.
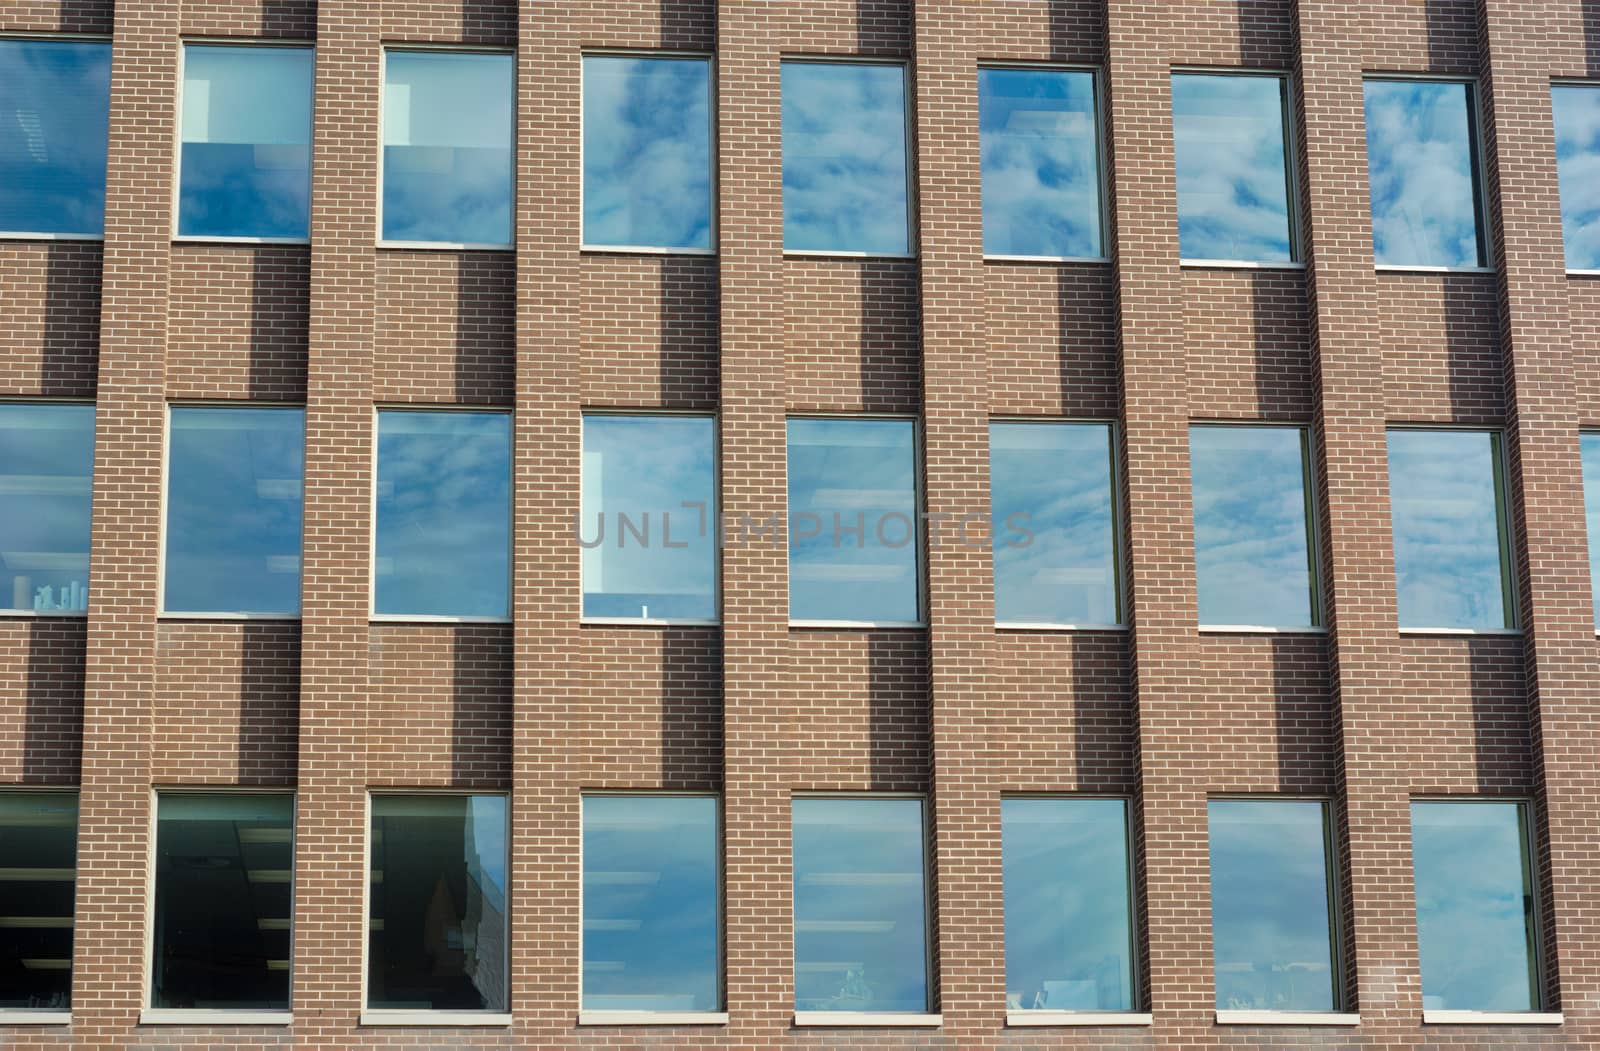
<point x="412" y="792"/>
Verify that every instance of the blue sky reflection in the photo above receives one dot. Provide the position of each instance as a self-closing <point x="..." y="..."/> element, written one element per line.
<point x="1420" y="168"/>
<point x="46" y="483"/>
<point x="1228" y="143"/>
<point x="1040" y="162"/>
<point x="55" y="104"/>
<point x="1576" y="108"/>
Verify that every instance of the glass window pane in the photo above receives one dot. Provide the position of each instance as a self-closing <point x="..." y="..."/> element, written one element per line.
<point x="39" y="837"/>
<point x="1590" y="445"/>
<point x="1444" y="500"/>
<point x="447" y="130"/>
<point x="55" y="103"/>
<point x="650" y="903"/>
<point x="1055" y="552"/>
<point x="1040" y="161"/>
<point x="1271" y="928"/>
<point x="1577" y="119"/>
<point x="224" y="889"/>
<point x="1422" y="176"/>
<point x="1233" y="189"/>
<point x="1251" y="552"/>
<point x="233" y="510"/>
<point x="437" y="904"/>
<point x="245" y="167"/>
<point x="649" y="517"/>
<point x="46" y="483"/>
<point x="1067" y="904"/>
<point x="1475" y="929"/>
<point x="646" y="151"/>
<point x="844" y="158"/>
<point x="859" y="908"/>
<point x="852" y="520"/>
<point x="443" y="529"/>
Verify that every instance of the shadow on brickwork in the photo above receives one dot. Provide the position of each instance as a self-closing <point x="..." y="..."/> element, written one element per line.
<point x="480" y="703"/>
<point x="890" y="360"/>
<point x="1105" y="737"/>
<point x="1307" y="744"/>
<point x="280" y="300"/>
<point x="1473" y="347"/>
<point x="898" y="709"/>
<point x="485" y="328"/>
<point x="71" y="319"/>
<point x="1281" y="338"/>
<point x="1452" y="36"/>
<point x="296" y="19"/>
<point x="1266" y="33"/>
<point x="1591" y="37"/>
<point x="687" y="354"/>
<point x="691" y="709"/>
<point x="269" y="711"/>
<point x="690" y="25"/>
<point x="52" y="734"/>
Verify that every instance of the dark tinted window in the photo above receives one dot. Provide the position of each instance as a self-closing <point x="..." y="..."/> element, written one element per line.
<point x="55" y="104"/>
<point x="39" y="841"/>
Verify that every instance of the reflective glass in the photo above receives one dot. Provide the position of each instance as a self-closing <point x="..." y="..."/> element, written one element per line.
<point x="1252" y="553"/>
<point x="852" y="520"/>
<point x="1040" y="162"/>
<point x="1590" y="445"/>
<point x="1271" y="927"/>
<point x="437" y="905"/>
<point x="1055" y="552"/>
<point x="233" y="510"/>
<point x="1233" y="187"/>
<point x="1449" y="553"/>
<point x="650" y="903"/>
<point x="1422" y="175"/>
<point x="447" y="143"/>
<point x="245" y="167"/>
<point x="646" y="151"/>
<point x="860" y="911"/>
<point x="224" y="889"/>
<point x="39" y="837"/>
<point x="55" y="104"/>
<point x="844" y="158"/>
<point x="648" y="526"/>
<point x="1577" y="118"/>
<point x="1068" y="909"/>
<point x="46" y="483"/>
<point x="1475" y="920"/>
<point x="442" y="542"/>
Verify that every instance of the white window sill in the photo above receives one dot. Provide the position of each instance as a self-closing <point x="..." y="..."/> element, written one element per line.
<point x="867" y="1019"/>
<point x="649" y="622"/>
<point x="813" y="253"/>
<point x="1287" y="1018"/>
<point x="214" y="615"/>
<point x="1240" y="264"/>
<point x="652" y="1018"/>
<point x="1396" y="268"/>
<point x="435" y="1018"/>
<point x="197" y="239"/>
<point x="1258" y="629"/>
<point x="1461" y="631"/>
<point x="1093" y="260"/>
<point x="202" y="1016"/>
<point x="423" y="618"/>
<point x="21" y="235"/>
<point x="858" y="624"/>
<point x="644" y="250"/>
<point x="1491" y="1018"/>
<point x="1583" y="273"/>
<point x="449" y="246"/>
<point x="75" y="613"/>
<point x="1024" y="625"/>
<point x="28" y="1016"/>
<point x="1043" y="1018"/>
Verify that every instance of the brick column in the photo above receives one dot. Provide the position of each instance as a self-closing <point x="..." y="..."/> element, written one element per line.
<point x="331" y="821"/>
<point x="109" y="971"/>
<point x="1170" y="802"/>
<point x="965" y="802"/>
<point x="1546" y="500"/>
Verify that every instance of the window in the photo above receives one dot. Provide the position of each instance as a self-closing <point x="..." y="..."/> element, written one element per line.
<point x="650" y="903"/>
<point x="649" y="521"/>
<point x="844" y="158"/>
<point x="1229" y="144"/>
<point x="1451" y="548"/>
<point x="46" y="483"/>
<point x="853" y="521"/>
<point x="245" y="166"/>
<point x="1590" y="446"/>
<point x="1476" y="929"/>
<point x="1252" y="542"/>
<point x="1271" y="917"/>
<point x="442" y="534"/>
<point x="39" y="837"/>
<point x="1040" y="163"/>
<point x="647" y="152"/>
<point x="860" y="906"/>
<point x="1576" y="110"/>
<point x="233" y="511"/>
<point x="223" y="901"/>
<point x="55" y="105"/>
<point x="447" y="147"/>
<point x="1422" y="169"/>
<point x="1068" y="907"/>
<point x="1055" y="548"/>
<point x="437" y="904"/>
